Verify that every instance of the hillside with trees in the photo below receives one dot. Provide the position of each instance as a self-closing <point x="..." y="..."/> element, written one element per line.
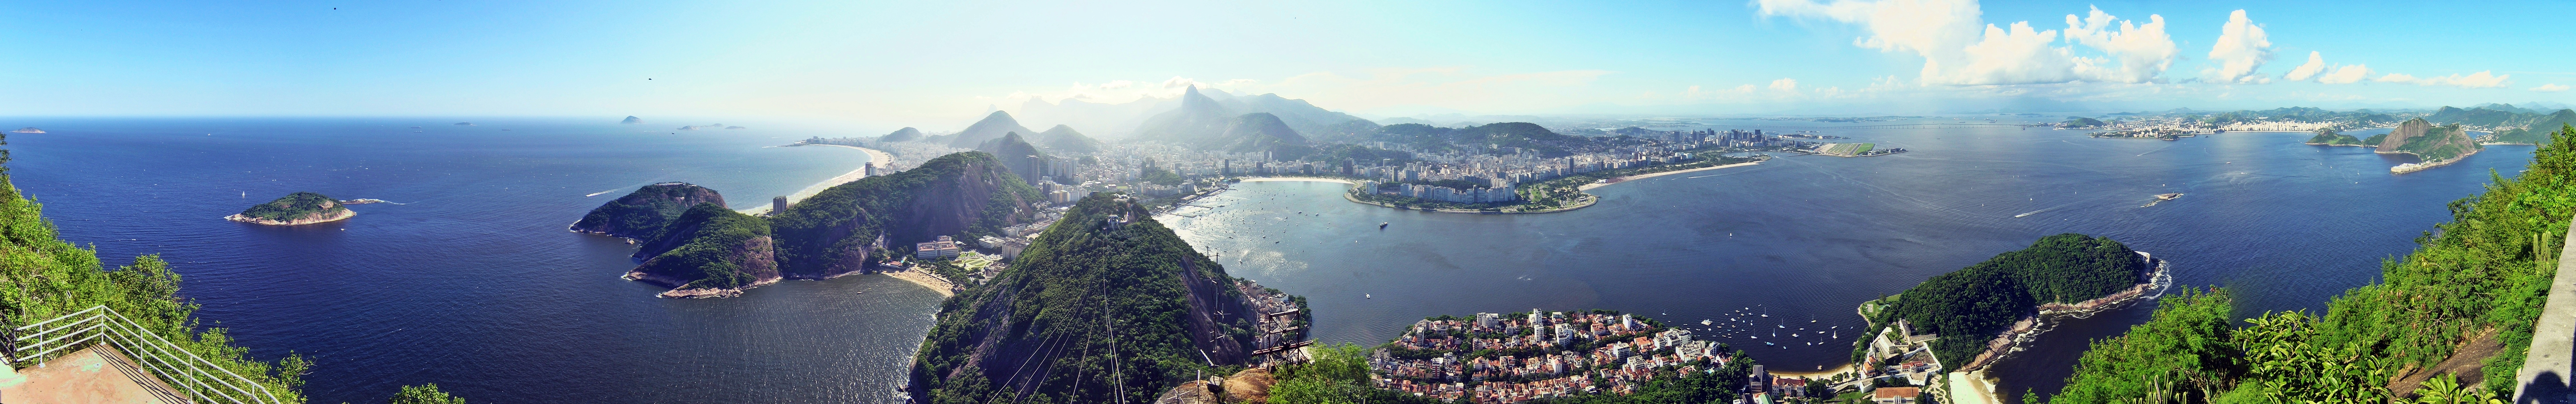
<point x="642" y="214"/>
<point x="2450" y="321"/>
<point x="1970" y="306"/>
<point x="709" y="251"/>
<point x="1106" y="305"/>
<point x="841" y="229"/>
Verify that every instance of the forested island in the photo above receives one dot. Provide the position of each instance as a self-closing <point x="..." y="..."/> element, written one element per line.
<point x="294" y="209"/>
<point x="2450" y="321"/>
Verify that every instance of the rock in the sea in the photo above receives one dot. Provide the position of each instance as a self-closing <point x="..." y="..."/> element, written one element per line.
<point x="642" y="214"/>
<point x="632" y="119"/>
<point x="294" y="209"/>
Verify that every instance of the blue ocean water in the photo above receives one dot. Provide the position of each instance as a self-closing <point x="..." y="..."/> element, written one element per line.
<point x="1804" y="239"/>
<point x="472" y="282"/>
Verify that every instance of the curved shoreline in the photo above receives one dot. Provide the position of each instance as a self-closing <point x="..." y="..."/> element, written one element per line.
<point x="1588" y="198"/>
<point x="874" y="156"/>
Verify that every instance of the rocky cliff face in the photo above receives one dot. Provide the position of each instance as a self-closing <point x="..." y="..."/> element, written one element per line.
<point x="709" y="251"/>
<point x="842" y="229"/>
<point x="1106" y="273"/>
<point x="2431" y="143"/>
<point x="295" y="209"/>
<point x="642" y="214"/>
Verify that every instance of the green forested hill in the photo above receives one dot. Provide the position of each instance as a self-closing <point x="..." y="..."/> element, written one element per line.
<point x="641" y="214"/>
<point x="1106" y="304"/>
<point x="969" y="194"/>
<point x="2477" y="281"/>
<point x="1970" y="306"/>
<point x="709" y="247"/>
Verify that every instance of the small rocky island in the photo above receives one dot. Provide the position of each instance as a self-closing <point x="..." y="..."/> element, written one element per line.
<point x="632" y="119"/>
<point x="295" y="209"/>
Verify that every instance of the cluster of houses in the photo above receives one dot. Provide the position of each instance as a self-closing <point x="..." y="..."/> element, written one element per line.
<point x="1537" y="355"/>
<point x="1911" y="352"/>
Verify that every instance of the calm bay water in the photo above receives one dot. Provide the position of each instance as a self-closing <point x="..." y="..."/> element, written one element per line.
<point x="1806" y="238"/>
<point x="474" y="284"/>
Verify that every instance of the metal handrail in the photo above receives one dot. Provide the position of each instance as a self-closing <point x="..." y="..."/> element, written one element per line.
<point x="168" y="361"/>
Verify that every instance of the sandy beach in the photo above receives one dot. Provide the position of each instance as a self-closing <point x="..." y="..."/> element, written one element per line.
<point x="925" y="280"/>
<point x="1588" y="187"/>
<point x="874" y="156"/>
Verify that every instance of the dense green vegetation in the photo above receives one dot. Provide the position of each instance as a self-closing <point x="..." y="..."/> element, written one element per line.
<point x="2081" y="122"/>
<point x="45" y="278"/>
<point x="1338" y="375"/>
<point x="642" y="214"/>
<point x="966" y="194"/>
<point x="295" y="206"/>
<point x="2479" y="279"/>
<point x="424" y="394"/>
<point x="2332" y="138"/>
<point x="712" y="247"/>
<point x="1970" y="306"/>
<point x="1097" y="310"/>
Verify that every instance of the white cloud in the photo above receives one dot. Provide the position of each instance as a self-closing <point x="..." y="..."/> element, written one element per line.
<point x="1959" y="48"/>
<point x="2241" y="48"/>
<point x="2316" y="64"/>
<point x="2550" y="88"/>
<point x="2483" y="79"/>
<point x="2141" y="51"/>
<point x="1785" y="84"/>
<point x="1748" y="88"/>
<point x="2345" y="74"/>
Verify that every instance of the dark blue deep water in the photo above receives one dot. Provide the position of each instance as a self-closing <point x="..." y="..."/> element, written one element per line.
<point x="474" y="284"/>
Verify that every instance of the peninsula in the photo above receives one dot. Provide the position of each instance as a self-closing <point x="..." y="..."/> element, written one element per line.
<point x="1967" y="319"/>
<point x="294" y="209"/>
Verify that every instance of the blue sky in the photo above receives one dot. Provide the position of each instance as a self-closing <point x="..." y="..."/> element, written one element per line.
<point x="930" y="63"/>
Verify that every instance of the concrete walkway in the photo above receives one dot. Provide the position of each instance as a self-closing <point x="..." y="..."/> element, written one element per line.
<point x="98" y="374"/>
<point x="2552" y="360"/>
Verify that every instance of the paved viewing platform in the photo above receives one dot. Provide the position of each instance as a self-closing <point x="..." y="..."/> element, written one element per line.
<point x="2552" y="358"/>
<point x="98" y="374"/>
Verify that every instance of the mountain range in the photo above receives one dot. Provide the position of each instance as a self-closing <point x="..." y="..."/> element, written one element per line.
<point x="1130" y="120"/>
